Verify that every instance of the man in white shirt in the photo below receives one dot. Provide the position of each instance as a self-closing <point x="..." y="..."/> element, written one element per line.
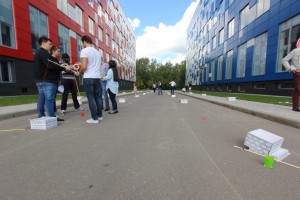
<point x="172" y="83"/>
<point x="294" y="68"/>
<point x="90" y="67"/>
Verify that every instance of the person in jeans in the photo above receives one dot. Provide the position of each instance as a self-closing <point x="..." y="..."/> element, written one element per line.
<point x="294" y="68"/>
<point x="173" y="84"/>
<point x="112" y="85"/>
<point x="90" y="67"/>
<point x="69" y="83"/>
<point x="159" y="88"/>
<point x="46" y="75"/>
<point x="103" y="71"/>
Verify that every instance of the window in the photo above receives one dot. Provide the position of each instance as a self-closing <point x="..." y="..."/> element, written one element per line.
<point x="289" y="34"/>
<point x="231" y="28"/>
<point x="214" y="42"/>
<point x="220" y="61"/>
<point x="79" y="46"/>
<point x="38" y="26"/>
<point x="101" y="52"/>
<point x="229" y="57"/>
<point x="91" y="3"/>
<point x="6" y="72"/>
<point x="244" y="17"/>
<point x="99" y="8"/>
<point x="262" y="6"/>
<point x="206" y="68"/>
<point x="107" y="40"/>
<point x="107" y="57"/>
<point x="64" y="39"/>
<point x="7" y="36"/>
<point x="259" y="55"/>
<point x="91" y="26"/>
<point x="62" y="5"/>
<point x="221" y="36"/>
<point x="100" y="32"/>
<point x="78" y="16"/>
<point x="106" y="18"/>
<point x="212" y="70"/>
<point x="241" y="63"/>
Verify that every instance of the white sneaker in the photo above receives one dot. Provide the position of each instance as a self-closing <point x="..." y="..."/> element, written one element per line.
<point x="100" y="118"/>
<point x="92" y="121"/>
<point x="62" y="112"/>
<point x="79" y="109"/>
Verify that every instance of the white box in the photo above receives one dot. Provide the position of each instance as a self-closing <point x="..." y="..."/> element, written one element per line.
<point x="173" y="96"/>
<point x="263" y="142"/>
<point x="137" y="95"/>
<point x="43" y="123"/>
<point x="184" y="101"/>
<point x="204" y="95"/>
<point x="122" y="100"/>
<point x="280" y="154"/>
<point x="231" y="98"/>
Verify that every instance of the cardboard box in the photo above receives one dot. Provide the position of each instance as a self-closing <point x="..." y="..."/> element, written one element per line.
<point x="43" y="123"/>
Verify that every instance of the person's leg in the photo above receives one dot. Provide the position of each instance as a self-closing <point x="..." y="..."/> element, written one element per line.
<point x="50" y="90"/>
<point x="103" y="86"/>
<point x="296" y="93"/>
<point x="112" y="97"/>
<point x="73" y="89"/>
<point x="98" y="100"/>
<point x="89" y="89"/>
<point x="41" y="100"/>
<point x="65" y="94"/>
<point x="100" y="95"/>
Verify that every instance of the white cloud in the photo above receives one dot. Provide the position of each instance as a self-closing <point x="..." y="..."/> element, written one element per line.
<point x="166" y="39"/>
<point x="135" y="23"/>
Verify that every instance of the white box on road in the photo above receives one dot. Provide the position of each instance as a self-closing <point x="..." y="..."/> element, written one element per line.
<point x="122" y="100"/>
<point x="43" y="123"/>
<point x="184" y="101"/>
<point x="231" y="98"/>
<point x="263" y="142"/>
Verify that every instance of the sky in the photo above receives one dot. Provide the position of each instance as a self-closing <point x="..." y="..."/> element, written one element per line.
<point x="160" y="27"/>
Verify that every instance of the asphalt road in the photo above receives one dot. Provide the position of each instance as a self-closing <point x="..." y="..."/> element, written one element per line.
<point x="155" y="148"/>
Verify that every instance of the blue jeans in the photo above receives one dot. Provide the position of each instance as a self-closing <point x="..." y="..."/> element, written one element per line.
<point x="103" y="86"/>
<point x="92" y="89"/>
<point x="47" y="93"/>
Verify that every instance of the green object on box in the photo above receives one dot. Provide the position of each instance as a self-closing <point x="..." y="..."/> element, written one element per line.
<point x="269" y="161"/>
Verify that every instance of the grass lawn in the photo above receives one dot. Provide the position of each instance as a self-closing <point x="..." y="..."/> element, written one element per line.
<point x="26" y="99"/>
<point x="285" y="101"/>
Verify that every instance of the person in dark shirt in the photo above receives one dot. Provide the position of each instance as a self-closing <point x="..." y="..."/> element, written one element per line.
<point x="68" y="80"/>
<point x="46" y="75"/>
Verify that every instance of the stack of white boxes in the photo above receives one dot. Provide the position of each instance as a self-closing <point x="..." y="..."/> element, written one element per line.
<point x="266" y="143"/>
<point x="43" y="123"/>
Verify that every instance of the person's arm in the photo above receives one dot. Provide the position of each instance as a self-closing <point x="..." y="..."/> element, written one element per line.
<point x="108" y="76"/>
<point x="286" y="59"/>
<point x="84" y="61"/>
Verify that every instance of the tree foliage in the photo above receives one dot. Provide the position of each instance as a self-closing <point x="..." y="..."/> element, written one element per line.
<point x="149" y="72"/>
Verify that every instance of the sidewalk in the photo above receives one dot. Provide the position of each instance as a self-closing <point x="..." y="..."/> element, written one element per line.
<point x="8" y="112"/>
<point x="277" y="113"/>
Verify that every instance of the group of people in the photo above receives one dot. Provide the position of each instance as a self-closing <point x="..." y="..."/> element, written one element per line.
<point x="159" y="88"/>
<point x="98" y="78"/>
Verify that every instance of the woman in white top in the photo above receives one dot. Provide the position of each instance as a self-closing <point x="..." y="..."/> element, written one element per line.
<point x="112" y="84"/>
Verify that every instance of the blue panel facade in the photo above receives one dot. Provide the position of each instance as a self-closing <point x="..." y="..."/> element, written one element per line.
<point x="269" y="28"/>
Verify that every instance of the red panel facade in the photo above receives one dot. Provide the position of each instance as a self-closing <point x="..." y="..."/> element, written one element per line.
<point x="117" y="30"/>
